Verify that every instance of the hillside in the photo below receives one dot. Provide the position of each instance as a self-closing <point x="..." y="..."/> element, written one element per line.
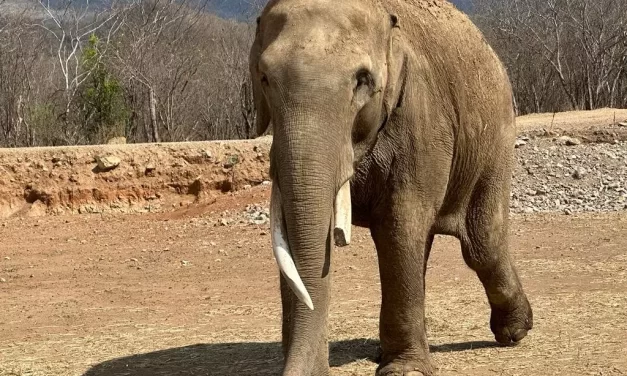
<point x="238" y="9"/>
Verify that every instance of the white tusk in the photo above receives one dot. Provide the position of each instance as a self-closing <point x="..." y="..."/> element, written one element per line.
<point x="343" y="222"/>
<point x="282" y="252"/>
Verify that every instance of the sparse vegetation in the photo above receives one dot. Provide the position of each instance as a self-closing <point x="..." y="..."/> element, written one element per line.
<point x="150" y="71"/>
<point x="160" y="70"/>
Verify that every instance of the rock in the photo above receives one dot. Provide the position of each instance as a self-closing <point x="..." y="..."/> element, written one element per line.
<point x="150" y="167"/>
<point x="185" y="263"/>
<point x="3" y="280"/>
<point x="260" y="219"/>
<point x="231" y="161"/>
<point x="549" y="133"/>
<point x="106" y="163"/>
<point x="37" y="209"/>
<point x="519" y="143"/>
<point x="609" y="154"/>
<point x="622" y="123"/>
<point x="89" y="209"/>
<point x="180" y="163"/>
<point x="568" y="141"/>
<point x="579" y="173"/>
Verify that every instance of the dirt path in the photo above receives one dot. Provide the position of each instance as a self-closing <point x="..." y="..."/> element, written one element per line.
<point x="171" y="294"/>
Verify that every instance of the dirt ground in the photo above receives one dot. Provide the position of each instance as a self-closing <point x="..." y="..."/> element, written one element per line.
<point x="175" y="293"/>
<point x="172" y="294"/>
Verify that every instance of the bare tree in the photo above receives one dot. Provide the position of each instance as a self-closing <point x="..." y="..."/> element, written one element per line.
<point x="71" y="28"/>
<point x="17" y="61"/>
<point x="158" y="51"/>
<point x="192" y="67"/>
<point x="561" y="54"/>
<point x="164" y="70"/>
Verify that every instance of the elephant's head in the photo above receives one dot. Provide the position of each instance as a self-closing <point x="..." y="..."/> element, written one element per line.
<point x="326" y="75"/>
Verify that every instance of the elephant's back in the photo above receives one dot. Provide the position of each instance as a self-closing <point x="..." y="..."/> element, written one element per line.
<point x="438" y="27"/>
<point x="462" y="67"/>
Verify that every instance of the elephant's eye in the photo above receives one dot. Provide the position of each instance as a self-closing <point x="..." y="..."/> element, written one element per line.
<point x="264" y="79"/>
<point x="364" y="88"/>
<point x="364" y="79"/>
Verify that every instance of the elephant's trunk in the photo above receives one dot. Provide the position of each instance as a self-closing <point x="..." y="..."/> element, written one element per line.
<point x="308" y="171"/>
<point x="280" y="245"/>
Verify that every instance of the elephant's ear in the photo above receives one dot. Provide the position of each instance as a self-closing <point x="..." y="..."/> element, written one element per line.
<point x="393" y="97"/>
<point x="263" y="112"/>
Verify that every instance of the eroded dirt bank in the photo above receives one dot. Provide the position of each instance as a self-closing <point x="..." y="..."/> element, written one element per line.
<point x="570" y="162"/>
<point x="131" y="178"/>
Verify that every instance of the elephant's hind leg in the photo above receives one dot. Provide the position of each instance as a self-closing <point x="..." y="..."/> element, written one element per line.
<point x="485" y="250"/>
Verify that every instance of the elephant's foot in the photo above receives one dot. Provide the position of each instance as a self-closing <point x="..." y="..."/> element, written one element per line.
<point x="315" y="366"/>
<point x="318" y="370"/>
<point x="510" y="324"/>
<point x="407" y="368"/>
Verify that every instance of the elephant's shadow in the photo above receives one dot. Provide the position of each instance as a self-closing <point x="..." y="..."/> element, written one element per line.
<point x="243" y="359"/>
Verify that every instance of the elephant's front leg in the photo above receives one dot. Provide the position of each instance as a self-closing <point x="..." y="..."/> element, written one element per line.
<point x="403" y="239"/>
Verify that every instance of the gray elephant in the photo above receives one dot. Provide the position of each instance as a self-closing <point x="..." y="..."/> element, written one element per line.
<point x="397" y="116"/>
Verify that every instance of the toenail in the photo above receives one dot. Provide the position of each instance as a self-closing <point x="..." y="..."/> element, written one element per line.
<point x="519" y="335"/>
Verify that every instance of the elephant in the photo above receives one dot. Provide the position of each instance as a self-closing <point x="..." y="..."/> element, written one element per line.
<point x="391" y="115"/>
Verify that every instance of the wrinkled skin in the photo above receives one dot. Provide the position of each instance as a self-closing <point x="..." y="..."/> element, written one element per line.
<point x="404" y="99"/>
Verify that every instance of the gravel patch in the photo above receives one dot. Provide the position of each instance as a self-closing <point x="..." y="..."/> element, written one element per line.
<point x="253" y="215"/>
<point x="553" y="175"/>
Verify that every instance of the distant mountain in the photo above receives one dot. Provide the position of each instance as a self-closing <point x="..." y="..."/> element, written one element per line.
<point x="242" y="9"/>
<point x="465" y="5"/>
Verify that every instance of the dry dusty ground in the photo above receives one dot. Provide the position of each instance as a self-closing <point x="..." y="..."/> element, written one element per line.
<point x="170" y="293"/>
